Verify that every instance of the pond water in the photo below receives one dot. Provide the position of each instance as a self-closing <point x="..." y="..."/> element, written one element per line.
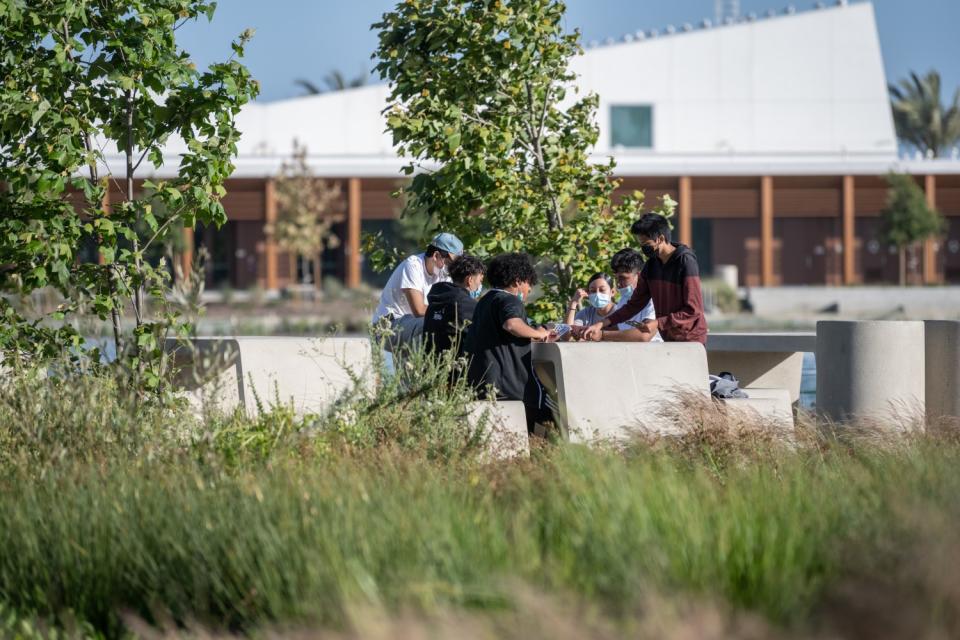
<point x="808" y="382"/>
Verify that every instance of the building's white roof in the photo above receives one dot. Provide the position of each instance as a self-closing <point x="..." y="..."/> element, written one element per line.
<point x="788" y="94"/>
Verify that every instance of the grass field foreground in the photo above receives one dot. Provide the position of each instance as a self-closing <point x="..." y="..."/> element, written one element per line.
<point x="117" y="515"/>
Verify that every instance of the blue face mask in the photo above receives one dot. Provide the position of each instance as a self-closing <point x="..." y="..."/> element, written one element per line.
<point x="476" y="294"/>
<point x="520" y="295"/>
<point x="599" y="300"/>
<point x="626" y="293"/>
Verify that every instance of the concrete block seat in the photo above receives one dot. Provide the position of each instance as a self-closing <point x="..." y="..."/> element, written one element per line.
<point x="942" y="368"/>
<point x="761" y="360"/>
<point x="874" y="370"/>
<point x="506" y="425"/>
<point x="772" y="407"/>
<point x="607" y="391"/>
<point x="309" y="373"/>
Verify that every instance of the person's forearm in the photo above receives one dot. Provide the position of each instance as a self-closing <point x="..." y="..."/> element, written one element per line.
<point x="623" y="313"/>
<point x="521" y="329"/>
<point x="524" y="332"/>
<point x="627" y="335"/>
<point x="571" y="314"/>
<point x="633" y="306"/>
<point x="418" y="306"/>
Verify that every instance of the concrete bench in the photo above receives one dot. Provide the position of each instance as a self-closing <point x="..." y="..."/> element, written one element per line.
<point x="249" y="372"/>
<point x="607" y="391"/>
<point x="772" y="407"/>
<point x="942" y="368"/>
<point x="761" y="360"/>
<point x="506" y="424"/>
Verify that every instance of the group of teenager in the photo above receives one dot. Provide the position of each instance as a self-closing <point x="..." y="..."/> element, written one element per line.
<point x="652" y="293"/>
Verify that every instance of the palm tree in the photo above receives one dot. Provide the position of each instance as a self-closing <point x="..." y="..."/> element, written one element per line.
<point x="922" y="120"/>
<point x="333" y="81"/>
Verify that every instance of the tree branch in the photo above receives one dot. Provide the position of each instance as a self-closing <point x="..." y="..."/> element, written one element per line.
<point x="556" y="220"/>
<point x="163" y="227"/>
<point x="115" y="320"/>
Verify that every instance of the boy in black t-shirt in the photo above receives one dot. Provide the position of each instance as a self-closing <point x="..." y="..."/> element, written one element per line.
<point x="498" y="339"/>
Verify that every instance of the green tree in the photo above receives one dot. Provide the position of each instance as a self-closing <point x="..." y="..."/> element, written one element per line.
<point x="308" y="208"/>
<point x="921" y="117"/>
<point x="907" y="218"/>
<point x="483" y="102"/>
<point x="80" y="83"/>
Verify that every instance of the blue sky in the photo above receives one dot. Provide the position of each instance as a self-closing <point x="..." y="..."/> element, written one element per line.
<point x="309" y="38"/>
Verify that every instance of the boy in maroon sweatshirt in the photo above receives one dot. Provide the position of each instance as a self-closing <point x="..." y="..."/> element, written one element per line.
<point x="671" y="277"/>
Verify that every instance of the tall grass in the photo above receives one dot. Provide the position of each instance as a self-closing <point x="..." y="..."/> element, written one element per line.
<point x="112" y="511"/>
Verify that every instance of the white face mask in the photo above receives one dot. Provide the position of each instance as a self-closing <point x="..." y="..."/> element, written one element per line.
<point x="440" y="269"/>
<point x="599" y="300"/>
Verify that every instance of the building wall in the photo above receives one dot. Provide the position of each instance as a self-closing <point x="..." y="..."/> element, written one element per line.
<point x="807" y="243"/>
<point x="808" y="83"/>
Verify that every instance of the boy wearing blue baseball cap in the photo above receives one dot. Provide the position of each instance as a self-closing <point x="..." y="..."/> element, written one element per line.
<point x="403" y="301"/>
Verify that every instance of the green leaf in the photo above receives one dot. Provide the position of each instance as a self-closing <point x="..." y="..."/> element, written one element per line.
<point x="453" y="141"/>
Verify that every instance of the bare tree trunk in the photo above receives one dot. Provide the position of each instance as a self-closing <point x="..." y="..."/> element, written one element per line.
<point x="109" y="272"/>
<point x="302" y="269"/>
<point x="902" y="251"/>
<point x="554" y="215"/>
<point x="137" y="261"/>
<point x="317" y="271"/>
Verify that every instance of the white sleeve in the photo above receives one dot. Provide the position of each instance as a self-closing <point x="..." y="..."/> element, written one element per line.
<point x="647" y="313"/>
<point x="411" y="274"/>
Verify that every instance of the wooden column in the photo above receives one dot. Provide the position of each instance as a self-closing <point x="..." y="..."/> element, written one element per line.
<point x="766" y="231"/>
<point x="930" y="271"/>
<point x="186" y="257"/>
<point x="849" y="232"/>
<point x="270" y="246"/>
<point x="686" y="211"/>
<point x="353" y="233"/>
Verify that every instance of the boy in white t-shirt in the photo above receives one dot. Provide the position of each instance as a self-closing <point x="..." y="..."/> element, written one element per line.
<point x="403" y="301"/>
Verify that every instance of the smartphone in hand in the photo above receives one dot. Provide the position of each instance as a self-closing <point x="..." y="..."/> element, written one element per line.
<point x="558" y="332"/>
<point x="643" y="326"/>
<point x="576" y="331"/>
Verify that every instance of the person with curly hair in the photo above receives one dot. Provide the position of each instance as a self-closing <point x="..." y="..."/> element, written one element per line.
<point x="451" y="305"/>
<point x="498" y="340"/>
